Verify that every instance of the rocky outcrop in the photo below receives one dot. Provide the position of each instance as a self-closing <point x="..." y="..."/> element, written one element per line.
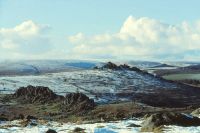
<point x="113" y="66"/>
<point x="71" y="104"/>
<point x="78" y="102"/>
<point x="38" y="94"/>
<point x="156" y="121"/>
<point x="110" y="65"/>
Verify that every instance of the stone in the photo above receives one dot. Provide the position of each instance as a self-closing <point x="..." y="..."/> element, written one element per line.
<point x="51" y="131"/>
<point x="158" y="120"/>
<point x="29" y="117"/>
<point x="196" y="112"/>
<point x="78" y="130"/>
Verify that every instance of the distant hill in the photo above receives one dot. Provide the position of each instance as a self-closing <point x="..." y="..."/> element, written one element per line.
<point x="162" y="65"/>
<point x="34" y="67"/>
<point x="144" y="64"/>
<point x="86" y="65"/>
<point x="185" y="70"/>
<point x="192" y="67"/>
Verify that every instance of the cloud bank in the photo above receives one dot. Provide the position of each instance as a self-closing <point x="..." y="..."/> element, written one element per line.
<point x="137" y="39"/>
<point x="142" y="38"/>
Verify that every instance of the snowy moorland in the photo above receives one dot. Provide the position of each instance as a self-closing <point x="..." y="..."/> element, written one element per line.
<point x="90" y="82"/>
<point x="110" y="89"/>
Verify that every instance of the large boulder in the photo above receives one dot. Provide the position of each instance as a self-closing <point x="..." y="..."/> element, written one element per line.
<point x="51" y="131"/>
<point x="156" y="121"/>
<point x="79" y="130"/>
<point x="78" y="102"/>
<point x="38" y="94"/>
<point x="196" y="112"/>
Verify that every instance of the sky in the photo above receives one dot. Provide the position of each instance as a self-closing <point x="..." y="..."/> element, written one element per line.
<point x="100" y="30"/>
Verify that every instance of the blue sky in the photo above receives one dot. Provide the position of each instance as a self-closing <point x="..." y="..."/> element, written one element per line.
<point x="94" y="16"/>
<point x="90" y="19"/>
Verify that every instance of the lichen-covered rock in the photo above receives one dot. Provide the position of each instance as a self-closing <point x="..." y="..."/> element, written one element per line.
<point x="157" y="121"/>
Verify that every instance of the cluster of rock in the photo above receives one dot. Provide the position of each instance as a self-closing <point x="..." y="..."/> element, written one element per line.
<point x="32" y="94"/>
<point x="113" y="66"/>
<point x="75" y="102"/>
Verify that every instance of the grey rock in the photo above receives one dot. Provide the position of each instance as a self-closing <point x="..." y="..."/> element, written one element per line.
<point x="196" y="112"/>
<point x="156" y="121"/>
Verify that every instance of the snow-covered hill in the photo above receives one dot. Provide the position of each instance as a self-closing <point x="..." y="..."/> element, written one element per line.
<point x="110" y="86"/>
<point x="31" y="67"/>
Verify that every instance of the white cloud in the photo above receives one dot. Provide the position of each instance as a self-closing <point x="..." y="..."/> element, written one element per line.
<point x="24" y="40"/>
<point x="8" y="44"/>
<point x="137" y="39"/>
<point x="77" y="38"/>
<point x="142" y="38"/>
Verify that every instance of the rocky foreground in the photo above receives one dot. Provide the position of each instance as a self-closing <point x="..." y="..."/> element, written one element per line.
<point x="42" y="105"/>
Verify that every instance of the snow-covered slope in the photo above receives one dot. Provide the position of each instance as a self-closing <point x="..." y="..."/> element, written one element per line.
<point x="30" y="67"/>
<point x="88" y="81"/>
<point x="109" y="86"/>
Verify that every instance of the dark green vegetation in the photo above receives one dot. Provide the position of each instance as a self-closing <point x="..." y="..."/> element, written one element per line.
<point x="182" y="77"/>
<point x="194" y="69"/>
<point x="189" y="75"/>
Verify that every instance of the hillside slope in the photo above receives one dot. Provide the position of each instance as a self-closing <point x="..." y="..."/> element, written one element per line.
<point x="108" y="86"/>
